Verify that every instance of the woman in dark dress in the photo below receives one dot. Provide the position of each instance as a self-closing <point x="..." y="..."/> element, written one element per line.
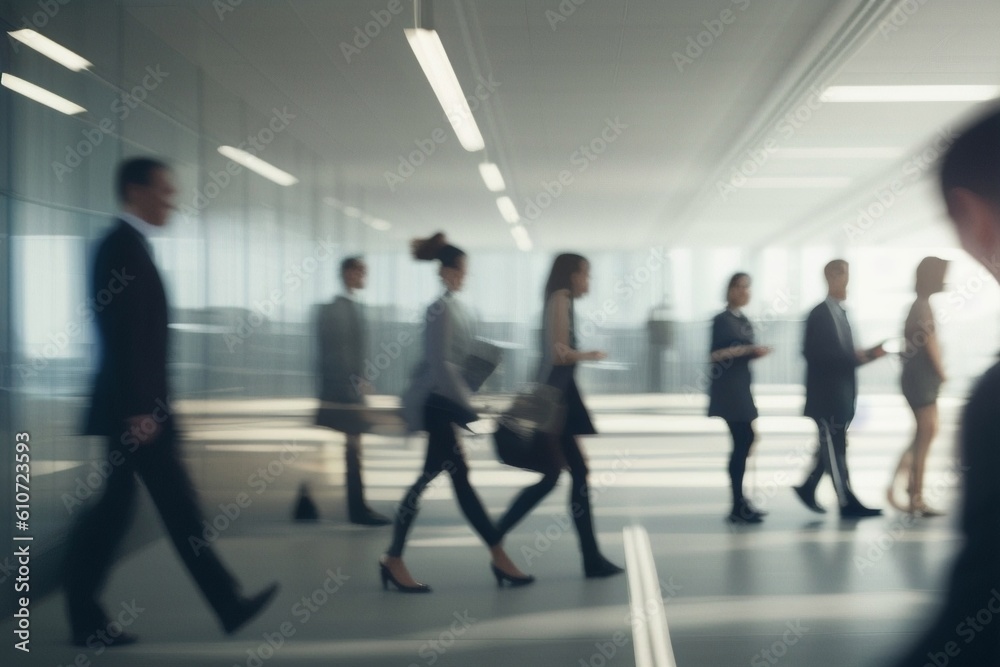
<point x="923" y="374"/>
<point x="436" y="401"/>
<point x="568" y="280"/>
<point x="733" y="348"/>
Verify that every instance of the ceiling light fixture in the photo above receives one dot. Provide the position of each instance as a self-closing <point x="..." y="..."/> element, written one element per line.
<point x="254" y="163"/>
<point x="437" y="68"/>
<point x="521" y="238"/>
<point x="508" y="210"/>
<point x="51" y="49"/>
<point x="492" y="176"/>
<point x="40" y="95"/>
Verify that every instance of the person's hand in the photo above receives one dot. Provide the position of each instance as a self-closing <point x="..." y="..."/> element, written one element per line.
<point x="596" y="355"/>
<point x="877" y="352"/>
<point x="759" y="351"/>
<point x="145" y="428"/>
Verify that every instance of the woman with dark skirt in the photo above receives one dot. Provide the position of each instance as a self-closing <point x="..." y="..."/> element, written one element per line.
<point x="437" y="400"/>
<point x="568" y="280"/>
<point x="732" y="349"/>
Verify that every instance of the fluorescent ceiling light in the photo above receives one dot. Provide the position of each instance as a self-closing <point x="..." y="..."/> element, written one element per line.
<point x="331" y="201"/>
<point x="944" y="93"/>
<point x="380" y="224"/>
<point x="40" y="95"/>
<point x="521" y="238"/>
<point x="798" y="182"/>
<point x="492" y="176"/>
<point x="254" y="163"/>
<point x="831" y="153"/>
<point x="508" y="210"/>
<point x="352" y="211"/>
<point x="437" y="68"/>
<point x="51" y="49"/>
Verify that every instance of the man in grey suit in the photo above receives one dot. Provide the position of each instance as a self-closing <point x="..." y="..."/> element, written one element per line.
<point x="343" y="348"/>
<point x="832" y="391"/>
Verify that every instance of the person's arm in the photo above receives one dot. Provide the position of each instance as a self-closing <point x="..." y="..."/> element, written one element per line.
<point x="724" y="349"/>
<point x="562" y="353"/>
<point x="140" y="333"/>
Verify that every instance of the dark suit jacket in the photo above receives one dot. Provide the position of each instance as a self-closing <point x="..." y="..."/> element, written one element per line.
<point x="729" y="395"/>
<point x="831" y="368"/>
<point x="343" y="348"/>
<point x="130" y="307"/>
<point x="957" y="633"/>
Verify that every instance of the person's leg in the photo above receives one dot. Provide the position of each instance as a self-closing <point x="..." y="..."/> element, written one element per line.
<point x="357" y="509"/>
<point x="406" y="513"/>
<point x="807" y="490"/>
<point x="93" y="540"/>
<point x="743" y="436"/>
<point x="903" y="469"/>
<point x="927" y="426"/>
<point x="471" y="505"/>
<point x="527" y="499"/>
<point x="170" y="487"/>
<point x="833" y="441"/>
<point x="455" y="464"/>
<point x="820" y="461"/>
<point x="579" y="496"/>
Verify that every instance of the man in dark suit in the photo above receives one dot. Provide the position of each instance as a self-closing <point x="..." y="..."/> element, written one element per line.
<point x="131" y="409"/>
<point x="832" y="391"/>
<point x="343" y="349"/>
<point x="965" y="631"/>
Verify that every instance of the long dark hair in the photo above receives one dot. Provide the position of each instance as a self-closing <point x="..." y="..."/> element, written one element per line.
<point x="560" y="277"/>
<point x="436" y="247"/>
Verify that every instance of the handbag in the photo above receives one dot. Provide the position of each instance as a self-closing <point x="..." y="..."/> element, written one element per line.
<point x="523" y="438"/>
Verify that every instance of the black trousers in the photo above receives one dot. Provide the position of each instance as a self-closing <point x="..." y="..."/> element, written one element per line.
<point x="579" y="497"/>
<point x="97" y="533"/>
<point x="444" y="454"/>
<point x="743" y="437"/>
<point x="831" y="458"/>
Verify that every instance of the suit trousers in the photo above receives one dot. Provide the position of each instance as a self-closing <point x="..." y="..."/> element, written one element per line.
<point x="831" y="458"/>
<point x="99" y="530"/>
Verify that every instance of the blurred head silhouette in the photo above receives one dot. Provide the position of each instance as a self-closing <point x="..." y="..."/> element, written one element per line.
<point x="970" y="184"/>
<point x="930" y="276"/>
<point x="837" y="276"/>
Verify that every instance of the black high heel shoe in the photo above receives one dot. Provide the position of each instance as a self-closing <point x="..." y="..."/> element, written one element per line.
<point x="502" y="576"/>
<point x="387" y="576"/>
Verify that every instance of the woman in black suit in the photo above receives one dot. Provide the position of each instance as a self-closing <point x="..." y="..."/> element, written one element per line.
<point x="437" y="400"/>
<point x="733" y="347"/>
<point x="568" y="280"/>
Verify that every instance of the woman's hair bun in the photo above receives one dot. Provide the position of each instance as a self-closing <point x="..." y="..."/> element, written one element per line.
<point x="429" y="248"/>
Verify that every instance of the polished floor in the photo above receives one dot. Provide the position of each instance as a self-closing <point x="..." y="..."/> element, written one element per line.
<point x="800" y="589"/>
